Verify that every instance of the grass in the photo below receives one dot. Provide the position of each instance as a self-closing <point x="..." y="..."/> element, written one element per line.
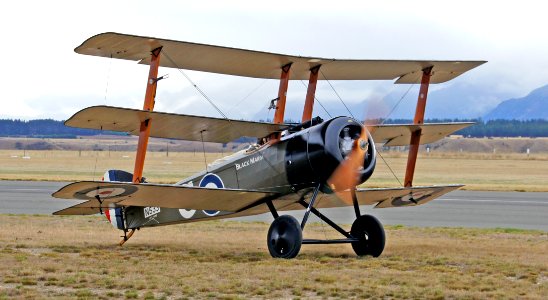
<point x="78" y="257"/>
<point x="478" y="171"/>
<point x="56" y="165"/>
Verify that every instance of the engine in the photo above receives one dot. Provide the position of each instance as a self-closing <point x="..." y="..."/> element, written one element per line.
<point x="312" y="154"/>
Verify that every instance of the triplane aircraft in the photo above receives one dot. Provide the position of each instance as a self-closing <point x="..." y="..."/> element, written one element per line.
<point x="287" y="169"/>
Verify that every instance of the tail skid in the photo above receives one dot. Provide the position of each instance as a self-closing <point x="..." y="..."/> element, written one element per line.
<point x="127" y="236"/>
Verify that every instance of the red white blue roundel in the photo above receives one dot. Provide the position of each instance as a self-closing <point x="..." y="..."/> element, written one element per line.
<point x="406" y="200"/>
<point x="105" y="192"/>
<point x="211" y="181"/>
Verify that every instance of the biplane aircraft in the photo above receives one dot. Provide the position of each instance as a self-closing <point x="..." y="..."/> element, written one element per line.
<point x="288" y="168"/>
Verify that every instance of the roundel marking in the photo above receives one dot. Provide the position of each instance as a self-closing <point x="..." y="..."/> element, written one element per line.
<point x="212" y="181"/>
<point x="187" y="213"/>
<point x="405" y="200"/>
<point x="105" y="192"/>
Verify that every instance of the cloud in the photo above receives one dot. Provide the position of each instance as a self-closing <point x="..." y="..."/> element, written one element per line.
<point x="43" y="77"/>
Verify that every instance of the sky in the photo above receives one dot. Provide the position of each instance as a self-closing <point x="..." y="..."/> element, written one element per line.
<point x="42" y="76"/>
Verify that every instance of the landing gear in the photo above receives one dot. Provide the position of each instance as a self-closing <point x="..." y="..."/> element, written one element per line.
<point x="370" y="234"/>
<point x="284" y="237"/>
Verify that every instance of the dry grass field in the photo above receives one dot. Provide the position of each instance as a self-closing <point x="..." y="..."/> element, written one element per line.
<point x="78" y="257"/>
<point x="478" y="171"/>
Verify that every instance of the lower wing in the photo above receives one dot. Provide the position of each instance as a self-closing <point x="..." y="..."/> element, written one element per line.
<point x="381" y="197"/>
<point x="405" y="196"/>
<point x="104" y="195"/>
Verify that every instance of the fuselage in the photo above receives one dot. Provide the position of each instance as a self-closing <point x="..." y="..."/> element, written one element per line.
<point x="300" y="159"/>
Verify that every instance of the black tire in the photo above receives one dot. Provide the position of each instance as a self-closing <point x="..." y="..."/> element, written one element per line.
<point x="284" y="237"/>
<point x="370" y="233"/>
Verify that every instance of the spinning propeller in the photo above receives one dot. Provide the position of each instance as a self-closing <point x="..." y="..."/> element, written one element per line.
<point x="346" y="176"/>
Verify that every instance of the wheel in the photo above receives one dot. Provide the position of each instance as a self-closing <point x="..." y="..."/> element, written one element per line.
<point x="284" y="237"/>
<point x="371" y="236"/>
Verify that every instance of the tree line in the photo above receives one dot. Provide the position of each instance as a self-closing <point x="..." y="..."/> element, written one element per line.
<point x="493" y="128"/>
<point x="48" y="128"/>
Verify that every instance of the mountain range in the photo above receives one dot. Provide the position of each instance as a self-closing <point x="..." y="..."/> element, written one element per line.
<point x="532" y="106"/>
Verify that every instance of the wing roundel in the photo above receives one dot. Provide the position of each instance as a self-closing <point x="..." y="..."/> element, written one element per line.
<point x="100" y="194"/>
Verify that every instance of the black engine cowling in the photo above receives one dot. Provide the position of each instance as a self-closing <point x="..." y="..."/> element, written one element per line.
<point x="314" y="153"/>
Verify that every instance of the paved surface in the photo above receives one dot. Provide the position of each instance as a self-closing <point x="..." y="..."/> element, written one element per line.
<point x="456" y="209"/>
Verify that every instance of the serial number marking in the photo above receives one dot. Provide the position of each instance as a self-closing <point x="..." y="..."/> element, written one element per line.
<point x="150" y="211"/>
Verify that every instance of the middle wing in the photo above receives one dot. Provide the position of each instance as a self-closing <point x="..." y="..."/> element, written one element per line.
<point x="400" y="135"/>
<point x="167" y="125"/>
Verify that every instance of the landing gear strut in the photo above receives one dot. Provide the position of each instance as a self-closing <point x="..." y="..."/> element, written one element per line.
<point x="285" y="235"/>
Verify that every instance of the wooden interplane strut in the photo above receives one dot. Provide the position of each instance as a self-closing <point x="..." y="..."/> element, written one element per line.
<point x="419" y="119"/>
<point x="144" y="131"/>
<point x="280" y="103"/>
<point x="310" y="94"/>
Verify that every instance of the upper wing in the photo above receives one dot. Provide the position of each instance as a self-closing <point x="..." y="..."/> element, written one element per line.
<point x="258" y="64"/>
<point x="170" y="196"/>
<point x="400" y="135"/>
<point x="167" y="125"/>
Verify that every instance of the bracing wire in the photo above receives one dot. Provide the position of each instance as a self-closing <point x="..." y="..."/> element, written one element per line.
<point x="195" y="86"/>
<point x="399" y="101"/>
<point x="108" y="78"/>
<point x="318" y="100"/>
<point x="321" y="221"/>
<point x="251" y="93"/>
<point x="96" y="157"/>
<point x="389" y="168"/>
<point x="95" y="167"/>
<point x="248" y="95"/>
<point x="386" y="118"/>
<point x="203" y="148"/>
<point x="333" y="88"/>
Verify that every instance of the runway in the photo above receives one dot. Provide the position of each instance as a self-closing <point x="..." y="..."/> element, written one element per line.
<point x="456" y="209"/>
